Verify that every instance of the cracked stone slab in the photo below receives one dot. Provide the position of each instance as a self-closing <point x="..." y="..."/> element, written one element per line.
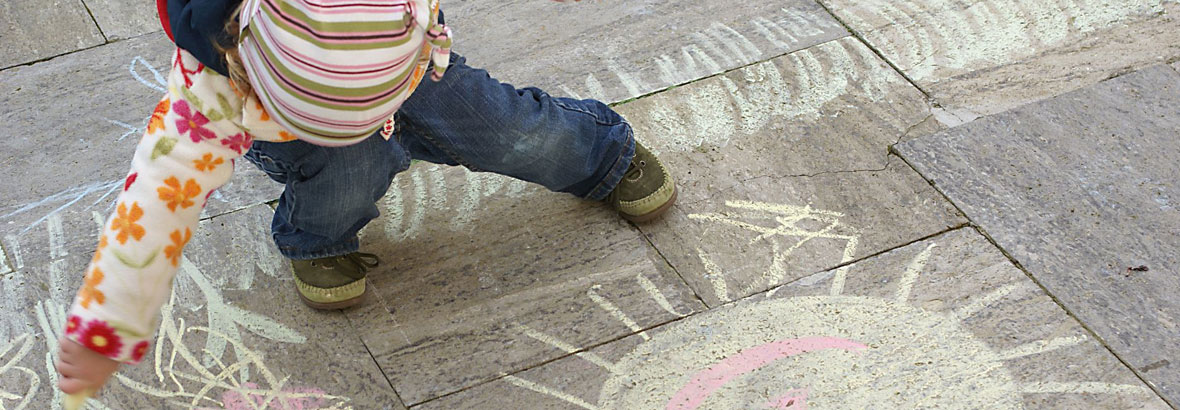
<point x="123" y="19"/>
<point x="1081" y="190"/>
<point x="613" y="50"/>
<point x="985" y="57"/>
<point x="796" y="151"/>
<point x="235" y="324"/>
<point x="945" y="322"/>
<point x="33" y="31"/>
<point x="71" y="125"/>
<point x="482" y="275"/>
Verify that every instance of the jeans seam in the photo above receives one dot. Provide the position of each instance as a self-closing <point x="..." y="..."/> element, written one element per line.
<point x="597" y="119"/>
<point x="451" y="154"/>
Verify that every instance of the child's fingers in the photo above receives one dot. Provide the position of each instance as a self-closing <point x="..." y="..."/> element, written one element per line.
<point x="66" y="369"/>
<point x="68" y="345"/>
<point x="69" y="385"/>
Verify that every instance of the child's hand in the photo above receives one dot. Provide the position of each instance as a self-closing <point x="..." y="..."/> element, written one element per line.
<point x="82" y="369"/>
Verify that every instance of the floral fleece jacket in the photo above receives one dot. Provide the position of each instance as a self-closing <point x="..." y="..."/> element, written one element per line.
<point x="192" y="139"/>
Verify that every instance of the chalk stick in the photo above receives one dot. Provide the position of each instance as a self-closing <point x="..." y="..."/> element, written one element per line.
<point x="77" y="400"/>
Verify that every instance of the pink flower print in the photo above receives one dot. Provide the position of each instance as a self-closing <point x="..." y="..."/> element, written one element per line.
<point x="239" y="142"/>
<point x="130" y="180"/>
<point x="73" y="324"/>
<point x="139" y="350"/>
<point x="192" y="122"/>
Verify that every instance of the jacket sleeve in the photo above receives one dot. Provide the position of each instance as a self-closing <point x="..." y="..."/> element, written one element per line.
<point x="186" y="153"/>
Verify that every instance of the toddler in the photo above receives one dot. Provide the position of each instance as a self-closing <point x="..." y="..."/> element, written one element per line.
<point x="328" y="98"/>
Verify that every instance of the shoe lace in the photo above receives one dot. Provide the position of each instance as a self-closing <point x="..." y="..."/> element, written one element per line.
<point x="635" y="171"/>
<point x="361" y="260"/>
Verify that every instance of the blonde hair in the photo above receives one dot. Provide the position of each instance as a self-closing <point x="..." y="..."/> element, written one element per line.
<point x="229" y="53"/>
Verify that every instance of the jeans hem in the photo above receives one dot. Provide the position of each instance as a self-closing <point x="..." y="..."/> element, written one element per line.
<point x="619" y="168"/>
<point x="345" y="248"/>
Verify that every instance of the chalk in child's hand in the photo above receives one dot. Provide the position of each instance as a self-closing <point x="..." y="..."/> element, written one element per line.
<point x="75" y="401"/>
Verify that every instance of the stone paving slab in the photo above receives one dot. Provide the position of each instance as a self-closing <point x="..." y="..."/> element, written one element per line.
<point x="35" y="30"/>
<point x="946" y="322"/>
<point x="987" y="56"/>
<point x="484" y="276"/>
<point x="796" y="150"/>
<point x="123" y="19"/>
<point x="452" y="302"/>
<point x="71" y="125"/>
<point x="1081" y="190"/>
<point x="613" y="50"/>
<point x="235" y="325"/>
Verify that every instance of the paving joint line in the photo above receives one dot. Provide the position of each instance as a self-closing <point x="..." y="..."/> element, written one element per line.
<point x="75" y="51"/>
<point x="1155" y="389"/>
<point x="848" y="263"/>
<point x="588" y="348"/>
<point x="678" y="319"/>
<point x="105" y="39"/>
<point x="860" y="37"/>
<point x="368" y="351"/>
<point x="667" y="262"/>
<point x="721" y="73"/>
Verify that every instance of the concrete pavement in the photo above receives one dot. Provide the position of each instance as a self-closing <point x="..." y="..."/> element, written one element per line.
<point x="885" y="204"/>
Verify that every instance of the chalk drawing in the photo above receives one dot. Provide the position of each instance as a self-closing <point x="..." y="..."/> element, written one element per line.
<point x="539" y="388"/>
<point x="594" y="88"/>
<point x="631" y="83"/>
<point x="130" y="129"/>
<point x="789" y="222"/>
<point x="794" y="87"/>
<point x="186" y="376"/>
<point x="932" y="39"/>
<point x="715" y="276"/>
<point x="615" y="311"/>
<point x="708" y="50"/>
<point x="157" y="82"/>
<point x="407" y="209"/>
<point x="978" y="304"/>
<point x="4" y="267"/>
<point x="25" y="378"/>
<point x="819" y="351"/>
<point x="568" y="348"/>
<point x="144" y="73"/>
<point x="237" y="391"/>
<point x="708" y="381"/>
<point x="655" y="294"/>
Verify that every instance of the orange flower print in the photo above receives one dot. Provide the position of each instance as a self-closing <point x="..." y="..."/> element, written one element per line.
<point x="156" y="123"/>
<point x="262" y="116"/>
<point x="102" y="243"/>
<point x="172" y="252"/>
<point x="125" y="224"/>
<point x="285" y="136"/>
<point x="89" y="292"/>
<point x="207" y="163"/>
<point x="174" y="194"/>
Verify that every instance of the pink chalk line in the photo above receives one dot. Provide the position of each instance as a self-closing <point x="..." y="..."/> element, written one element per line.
<point x="709" y="380"/>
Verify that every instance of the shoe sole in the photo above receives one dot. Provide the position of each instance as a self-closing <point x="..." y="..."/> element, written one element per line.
<point x="648" y="217"/>
<point x="343" y="304"/>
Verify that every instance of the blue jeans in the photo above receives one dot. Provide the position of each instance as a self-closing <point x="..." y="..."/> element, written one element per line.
<point x="577" y="146"/>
